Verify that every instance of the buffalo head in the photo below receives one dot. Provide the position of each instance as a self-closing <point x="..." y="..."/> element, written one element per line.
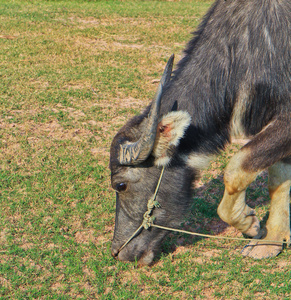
<point x="138" y="152"/>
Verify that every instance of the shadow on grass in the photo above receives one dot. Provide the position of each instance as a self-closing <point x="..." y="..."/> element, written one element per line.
<point x="203" y="217"/>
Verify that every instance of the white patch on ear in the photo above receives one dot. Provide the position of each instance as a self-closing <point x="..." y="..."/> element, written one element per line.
<point x="169" y="132"/>
<point x="198" y="160"/>
<point x="163" y="161"/>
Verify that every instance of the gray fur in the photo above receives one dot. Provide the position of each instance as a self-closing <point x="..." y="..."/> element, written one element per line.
<point x="233" y="79"/>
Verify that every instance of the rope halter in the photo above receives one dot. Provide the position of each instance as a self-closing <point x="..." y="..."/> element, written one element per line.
<point x="148" y="221"/>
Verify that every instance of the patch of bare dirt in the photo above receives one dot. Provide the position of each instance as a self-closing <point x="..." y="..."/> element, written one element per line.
<point x="101" y="152"/>
<point x="8" y="37"/>
<point x="131" y="102"/>
<point x="77" y="85"/>
<point x="52" y="130"/>
<point x="89" y="272"/>
<point x="26" y="246"/>
<point x="133" y="46"/>
<point x="208" y="293"/>
<point x="86" y="236"/>
<point x="130" y="276"/>
<point x="4" y="282"/>
<point x="88" y="20"/>
<point x="39" y="83"/>
<point x="51" y="246"/>
<point x="58" y="285"/>
<point x="180" y="250"/>
<point x="3" y="236"/>
<point x="284" y="264"/>
<point x="212" y="253"/>
<point x="75" y="114"/>
<point x="92" y="22"/>
<point x="106" y="45"/>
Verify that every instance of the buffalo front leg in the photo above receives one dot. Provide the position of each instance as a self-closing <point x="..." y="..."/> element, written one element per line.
<point x="278" y="223"/>
<point x="233" y="208"/>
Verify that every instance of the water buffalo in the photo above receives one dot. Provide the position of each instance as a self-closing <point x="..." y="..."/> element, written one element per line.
<point x="233" y="80"/>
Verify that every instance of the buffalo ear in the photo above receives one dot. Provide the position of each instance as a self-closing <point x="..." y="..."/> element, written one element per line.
<point x="170" y="130"/>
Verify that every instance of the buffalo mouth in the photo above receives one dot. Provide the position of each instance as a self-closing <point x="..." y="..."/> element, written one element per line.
<point x="125" y="255"/>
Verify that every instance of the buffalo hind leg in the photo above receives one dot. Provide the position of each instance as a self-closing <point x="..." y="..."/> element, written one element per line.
<point x="233" y="208"/>
<point x="278" y="223"/>
<point x="268" y="149"/>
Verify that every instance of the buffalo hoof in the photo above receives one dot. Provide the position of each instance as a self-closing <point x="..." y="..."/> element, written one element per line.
<point x="265" y="248"/>
<point x="260" y="250"/>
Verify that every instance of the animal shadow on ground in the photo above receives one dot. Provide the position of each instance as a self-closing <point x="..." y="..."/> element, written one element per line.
<point x="203" y="217"/>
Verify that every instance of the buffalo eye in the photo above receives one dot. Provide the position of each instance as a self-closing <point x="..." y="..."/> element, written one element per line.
<point x="121" y="187"/>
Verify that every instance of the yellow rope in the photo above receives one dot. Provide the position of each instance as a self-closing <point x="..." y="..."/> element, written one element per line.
<point x="135" y="233"/>
<point x="148" y="221"/>
<point x="217" y="236"/>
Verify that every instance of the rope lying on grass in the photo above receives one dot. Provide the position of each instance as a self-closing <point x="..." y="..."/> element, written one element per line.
<point x="266" y="242"/>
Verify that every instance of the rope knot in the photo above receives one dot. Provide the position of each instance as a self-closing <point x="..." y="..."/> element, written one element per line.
<point x="147" y="221"/>
<point x="152" y="203"/>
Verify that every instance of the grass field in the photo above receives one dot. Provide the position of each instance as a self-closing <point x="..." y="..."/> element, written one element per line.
<point x="72" y="72"/>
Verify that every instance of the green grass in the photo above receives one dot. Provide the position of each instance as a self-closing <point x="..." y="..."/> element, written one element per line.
<point x="72" y="72"/>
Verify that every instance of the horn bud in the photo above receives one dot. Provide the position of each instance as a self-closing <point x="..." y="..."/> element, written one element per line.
<point x="137" y="152"/>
